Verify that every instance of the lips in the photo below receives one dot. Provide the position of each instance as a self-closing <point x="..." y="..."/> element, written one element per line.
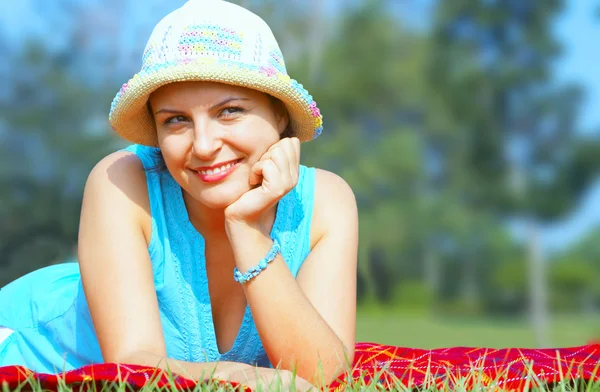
<point x="217" y="172"/>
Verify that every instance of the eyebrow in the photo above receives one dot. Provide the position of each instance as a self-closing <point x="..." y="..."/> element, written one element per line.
<point x="224" y="102"/>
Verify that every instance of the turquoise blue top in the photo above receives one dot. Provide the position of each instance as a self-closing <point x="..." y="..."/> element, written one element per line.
<point x="48" y="311"/>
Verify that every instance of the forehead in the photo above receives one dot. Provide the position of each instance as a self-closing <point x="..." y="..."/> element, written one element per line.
<point x="200" y="91"/>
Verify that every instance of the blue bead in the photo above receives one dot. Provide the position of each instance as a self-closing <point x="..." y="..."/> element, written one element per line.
<point x="257" y="269"/>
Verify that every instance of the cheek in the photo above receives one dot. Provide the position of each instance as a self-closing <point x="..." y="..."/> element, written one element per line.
<point x="174" y="153"/>
<point x="255" y="136"/>
<point x="173" y="147"/>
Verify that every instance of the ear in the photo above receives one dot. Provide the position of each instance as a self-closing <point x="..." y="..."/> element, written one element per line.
<point x="281" y="115"/>
<point x="283" y="122"/>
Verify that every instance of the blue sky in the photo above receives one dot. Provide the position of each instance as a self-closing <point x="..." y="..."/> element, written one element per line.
<point x="578" y="29"/>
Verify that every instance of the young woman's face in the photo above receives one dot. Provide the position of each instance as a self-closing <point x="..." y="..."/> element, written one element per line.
<point x="210" y="135"/>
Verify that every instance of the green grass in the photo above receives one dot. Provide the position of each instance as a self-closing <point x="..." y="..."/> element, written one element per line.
<point x="475" y="384"/>
<point x="396" y="328"/>
<point x="425" y="331"/>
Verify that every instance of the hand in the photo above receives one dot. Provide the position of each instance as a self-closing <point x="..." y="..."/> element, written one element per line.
<point x="272" y="177"/>
<point x="266" y="379"/>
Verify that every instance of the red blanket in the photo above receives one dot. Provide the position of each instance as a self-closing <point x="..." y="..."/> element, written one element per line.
<point x="509" y="369"/>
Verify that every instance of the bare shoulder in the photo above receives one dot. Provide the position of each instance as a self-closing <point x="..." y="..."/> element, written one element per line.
<point x="117" y="166"/>
<point x="117" y="185"/>
<point x="331" y="188"/>
<point x="335" y="204"/>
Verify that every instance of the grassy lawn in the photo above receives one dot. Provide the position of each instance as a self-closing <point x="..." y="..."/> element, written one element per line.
<point x="425" y="331"/>
<point x="399" y="328"/>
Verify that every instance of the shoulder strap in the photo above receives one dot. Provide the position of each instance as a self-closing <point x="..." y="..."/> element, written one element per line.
<point x="150" y="156"/>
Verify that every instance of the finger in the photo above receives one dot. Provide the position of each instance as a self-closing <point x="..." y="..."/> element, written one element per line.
<point x="275" y="145"/>
<point x="272" y="181"/>
<point x="295" y="146"/>
<point x="281" y="157"/>
<point x="271" y="185"/>
<point x="282" y="161"/>
<point x="292" y="149"/>
<point x="267" y="154"/>
<point x="267" y="170"/>
<point x="288" y="147"/>
<point x="256" y="173"/>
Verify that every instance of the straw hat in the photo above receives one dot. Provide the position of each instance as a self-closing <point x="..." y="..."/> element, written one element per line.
<point x="211" y="40"/>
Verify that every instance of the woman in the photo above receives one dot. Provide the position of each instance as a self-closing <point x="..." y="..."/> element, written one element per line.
<point x="205" y="245"/>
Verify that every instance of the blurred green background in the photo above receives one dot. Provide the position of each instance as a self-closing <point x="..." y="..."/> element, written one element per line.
<point x="467" y="129"/>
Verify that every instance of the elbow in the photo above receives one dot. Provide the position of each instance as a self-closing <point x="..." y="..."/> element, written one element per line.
<point x="341" y="362"/>
<point x="337" y="368"/>
<point x="324" y="375"/>
<point x="333" y="366"/>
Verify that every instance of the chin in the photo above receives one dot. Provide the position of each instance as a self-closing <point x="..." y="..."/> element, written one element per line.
<point x="219" y="199"/>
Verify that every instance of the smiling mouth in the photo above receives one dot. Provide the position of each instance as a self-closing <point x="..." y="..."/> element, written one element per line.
<point x="218" y="173"/>
<point x="218" y="170"/>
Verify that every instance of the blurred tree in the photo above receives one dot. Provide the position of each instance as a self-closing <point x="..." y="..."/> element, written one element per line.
<point x="56" y="133"/>
<point x="365" y="83"/>
<point x="574" y="276"/>
<point x="380" y="137"/>
<point x="505" y="288"/>
<point x="438" y="161"/>
<point x="520" y="154"/>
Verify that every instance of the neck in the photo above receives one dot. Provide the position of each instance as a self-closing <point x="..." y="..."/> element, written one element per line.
<point x="209" y="222"/>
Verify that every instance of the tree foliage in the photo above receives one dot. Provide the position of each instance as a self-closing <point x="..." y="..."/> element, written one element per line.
<point x="445" y="136"/>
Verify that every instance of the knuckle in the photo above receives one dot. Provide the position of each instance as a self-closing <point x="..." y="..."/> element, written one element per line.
<point x="276" y="153"/>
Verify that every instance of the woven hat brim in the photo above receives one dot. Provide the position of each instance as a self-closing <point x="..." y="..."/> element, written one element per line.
<point x="131" y="120"/>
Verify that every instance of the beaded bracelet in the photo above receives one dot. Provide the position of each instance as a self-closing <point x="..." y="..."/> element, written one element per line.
<point x="257" y="269"/>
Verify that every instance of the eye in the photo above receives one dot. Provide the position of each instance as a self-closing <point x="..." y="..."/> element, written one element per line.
<point x="232" y="111"/>
<point x="175" y="120"/>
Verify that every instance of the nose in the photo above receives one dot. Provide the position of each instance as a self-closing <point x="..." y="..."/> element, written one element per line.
<point x="207" y="140"/>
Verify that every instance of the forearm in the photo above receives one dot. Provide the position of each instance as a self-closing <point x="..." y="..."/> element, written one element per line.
<point x="190" y="370"/>
<point x="292" y="331"/>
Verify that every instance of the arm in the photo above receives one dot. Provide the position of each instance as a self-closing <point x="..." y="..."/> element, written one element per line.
<point x="312" y="319"/>
<point x="117" y="272"/>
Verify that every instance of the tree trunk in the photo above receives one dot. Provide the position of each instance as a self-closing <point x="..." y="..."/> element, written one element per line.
<point x="432" y="271"/>
<point x="469" y="289"/>
<point x="538" y="286"/>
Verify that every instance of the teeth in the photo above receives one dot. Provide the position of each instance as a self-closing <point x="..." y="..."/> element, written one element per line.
<point x="216" y="170"/>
